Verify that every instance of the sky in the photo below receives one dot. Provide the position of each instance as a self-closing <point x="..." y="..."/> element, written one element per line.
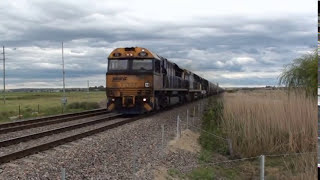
<point x="234" y="43"/>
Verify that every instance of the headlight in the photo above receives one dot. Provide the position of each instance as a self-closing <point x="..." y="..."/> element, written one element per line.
<point x="146" y="84"/>
<point x="144" y="99"/>
<point x="143" y="54"/>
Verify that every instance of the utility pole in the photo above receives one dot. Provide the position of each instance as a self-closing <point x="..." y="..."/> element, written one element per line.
<point x="4" y="76"/>
<point x="217" y="88"/>
<point x="64" y="99"/>
<point x="88" y="88"/>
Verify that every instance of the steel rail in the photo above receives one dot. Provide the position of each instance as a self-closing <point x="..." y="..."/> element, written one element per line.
<point x="41" y="119"/>
<point x="20" y="139"/>
<point x="50" y="122"/>
<point x="49" y="145"/>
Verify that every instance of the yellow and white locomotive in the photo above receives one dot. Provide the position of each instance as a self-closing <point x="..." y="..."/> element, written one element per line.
<point x="140" y="81"/>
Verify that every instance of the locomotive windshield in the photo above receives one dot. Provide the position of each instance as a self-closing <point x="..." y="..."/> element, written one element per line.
<point x="131" y="65"/>
<point x="118" y="64"/>
<point x="143" y="64"/>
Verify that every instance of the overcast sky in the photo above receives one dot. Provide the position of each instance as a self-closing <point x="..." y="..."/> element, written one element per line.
<point x="235" y="43"/>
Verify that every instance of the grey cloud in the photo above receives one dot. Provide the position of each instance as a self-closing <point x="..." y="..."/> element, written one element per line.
<point x="90" y="33"/>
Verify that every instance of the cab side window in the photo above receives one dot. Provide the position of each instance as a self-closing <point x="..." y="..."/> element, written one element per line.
<point x="157" y="66"/>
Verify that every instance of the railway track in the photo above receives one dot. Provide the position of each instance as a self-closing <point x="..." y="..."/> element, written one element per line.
<point x="20" y="139"/>
<point x="51" y="144"/>
<point x="38" y="122"/>
<point x="48" y="145"/>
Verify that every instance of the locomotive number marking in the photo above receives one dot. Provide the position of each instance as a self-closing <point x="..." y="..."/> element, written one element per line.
<point x="119" y="78"/>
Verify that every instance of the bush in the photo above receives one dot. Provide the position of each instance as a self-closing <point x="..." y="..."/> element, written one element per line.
<point x="302" y="73"/>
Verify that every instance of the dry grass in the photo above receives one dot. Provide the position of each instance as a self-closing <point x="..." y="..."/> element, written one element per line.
<point x="273" y="122"/>
<point x="292" y="167"/>
<point x="270" y="122"/>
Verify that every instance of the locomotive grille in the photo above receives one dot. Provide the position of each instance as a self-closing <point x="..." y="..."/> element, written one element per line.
<point x="128" y="100"/>
<point x="128" y="92"/>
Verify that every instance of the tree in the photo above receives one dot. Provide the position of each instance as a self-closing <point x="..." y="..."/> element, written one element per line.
<point x="302" y="73"/>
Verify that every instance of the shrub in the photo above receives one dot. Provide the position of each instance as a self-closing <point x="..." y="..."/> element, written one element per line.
<point x="302" y="73"/>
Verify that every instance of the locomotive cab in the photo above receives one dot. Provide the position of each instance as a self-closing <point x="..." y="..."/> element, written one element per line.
<point x="130" y="80"/>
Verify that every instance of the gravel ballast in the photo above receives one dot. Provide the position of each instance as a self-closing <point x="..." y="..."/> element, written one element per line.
<point x="48" y="127"/>
<point x="132" y="151"/>
<point x="38" y="141"/>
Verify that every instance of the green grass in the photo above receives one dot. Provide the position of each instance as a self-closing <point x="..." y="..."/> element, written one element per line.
<point x="205" y="156"/>
<point x="211" y="124"/>
<point x="215" y="172"/>
<point x="49" y="103"/>
<point x="202" y="174"/>
<point x="175" y="174"/>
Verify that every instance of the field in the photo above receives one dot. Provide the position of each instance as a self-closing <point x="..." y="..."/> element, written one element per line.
<point x="261" y="122"/>
<point x="271" y="122"/>
<point x="35" y="104"/>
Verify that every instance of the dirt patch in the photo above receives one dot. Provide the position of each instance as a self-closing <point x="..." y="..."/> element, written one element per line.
<point x="161" y="173"/>
<point x="188" y="142"/>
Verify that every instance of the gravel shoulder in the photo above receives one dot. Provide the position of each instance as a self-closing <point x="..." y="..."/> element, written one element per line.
<point x="132" y="151"/>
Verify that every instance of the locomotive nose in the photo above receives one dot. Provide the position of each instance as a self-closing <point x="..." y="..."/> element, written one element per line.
<point x="128" y="101"/>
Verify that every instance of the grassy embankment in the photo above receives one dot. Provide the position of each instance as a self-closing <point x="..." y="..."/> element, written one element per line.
<point x="49" y="103"/>
<point x="260" y="122"/>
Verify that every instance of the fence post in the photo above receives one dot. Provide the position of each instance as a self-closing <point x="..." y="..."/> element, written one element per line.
<point x="187" y="118"/>
<point x="178" y="127"/>
<point x="19" y="112"/>
<point x="230" y="146"/>
<point x="162" y="136"/>
<point x="194" y="114"/>
<point x="262" y="167"/>
<point x="178" y="123"/>
<point x="134" y="159"/>
<point x="63" y="174"/>
<point x="199" y="110"/>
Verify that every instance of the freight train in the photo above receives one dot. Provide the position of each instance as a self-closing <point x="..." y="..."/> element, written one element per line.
<point x="140" y="81"/>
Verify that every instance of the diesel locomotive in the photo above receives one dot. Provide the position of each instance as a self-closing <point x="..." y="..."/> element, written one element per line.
<point x="139" y="81"/>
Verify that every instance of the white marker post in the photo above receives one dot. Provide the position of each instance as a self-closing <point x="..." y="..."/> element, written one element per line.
<point x="178" y="124"/>
<point x="262" y="167"/>
<point x="63" y="174"/>
<point x="187" y="118"/>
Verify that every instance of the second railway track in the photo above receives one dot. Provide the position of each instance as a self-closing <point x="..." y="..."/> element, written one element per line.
<point x="20" y="139"/>
<point x="39" y="122"/>
<point x="29" y="150"/>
